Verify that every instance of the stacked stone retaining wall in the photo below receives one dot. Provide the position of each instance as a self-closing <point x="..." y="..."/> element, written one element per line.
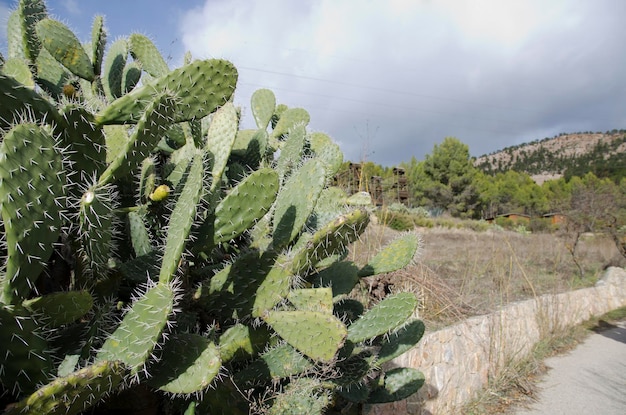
<point x="458" y="361"/>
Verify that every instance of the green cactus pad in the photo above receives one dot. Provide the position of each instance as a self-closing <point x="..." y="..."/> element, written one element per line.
<point x="317" y="335"/>
<point x="241" y="342"/>
<point x="384" y="317"/>
<point x="178" y="164"/>
<point x="19" y="70"/>
<point x="60" y="308"/>
<point x="130" y="77"/>
<point x="51" y="75"/>
<point x="220" y="140"/>
<point x="289" y="119"/>
<point x="332" y="239"/>
<point x="398" y="384"/>
<point x="312" y="299"/>
<point x="296" y="201"/>
<point x="273" y="289"/>
<point x="291" y="152"/>
<point x="98" y="43"/>
<point x="245" y="204"/>
<point x="394" y="256"/>
<point x="85" y="142"/>
<point x="114" y="64"/>
<point x="263" y="103"/>
<point x="23" y="41"/>
<point x="19" y="100"/>
<point x="400" y="341"/>
<point x="302" y="396"/>
<point x="327" y="151"/>
<point x="150" y="129"/>
<point x="31" y="198"/>
<point x="96" y="216"/>
<point x="139" y="236"/>
<point x="15" y="48"/>
<point x="250" y="147"/>
<point x="147" y="178"/>
<point x="143" y="50"/>
<point x="65" y="48"/>
<point x="74" y="393"/>
<point x="25" y="353"/>
<point x="341" y="277"/>
<point x="182" y="218"/>
<point x="134" y="340"/>
<point x="355" y="392"/>
<point x="352" y="370"/>
<point x="277" y="363"/>
<point x="330" y="205"/>
<point x="188" y="364"/>
<point x="201" y="87"/>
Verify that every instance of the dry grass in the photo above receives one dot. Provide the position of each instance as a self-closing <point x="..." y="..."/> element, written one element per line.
<point x="461" y="272"/>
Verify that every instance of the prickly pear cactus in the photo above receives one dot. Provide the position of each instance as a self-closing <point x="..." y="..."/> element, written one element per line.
<point x="153" y="250"/>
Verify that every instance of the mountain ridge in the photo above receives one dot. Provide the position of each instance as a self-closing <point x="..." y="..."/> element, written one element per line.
<point x="564" y="155"/>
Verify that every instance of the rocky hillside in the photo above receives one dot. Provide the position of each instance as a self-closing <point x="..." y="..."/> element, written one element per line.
<point x="564" y="155"/>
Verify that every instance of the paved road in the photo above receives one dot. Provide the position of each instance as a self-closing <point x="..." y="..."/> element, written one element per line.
<point x="589" y="380"/>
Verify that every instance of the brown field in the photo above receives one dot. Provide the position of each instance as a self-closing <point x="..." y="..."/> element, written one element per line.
<point x="461" y="273"/>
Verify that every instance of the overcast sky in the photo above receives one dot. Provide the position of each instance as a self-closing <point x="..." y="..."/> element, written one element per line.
<point x="389" y="79"/>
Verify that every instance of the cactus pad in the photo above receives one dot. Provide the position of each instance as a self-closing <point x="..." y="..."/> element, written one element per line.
<point x="63" y="45"/>
<point x="394" y="256"/>
<point x="25" y="353"/>
<point x="136" y="337"/>
<point x="400" y="341"/>
<point x="201" y="86"/>
<point x="398" y="384"/>
<point x="245" y="204"/>
<point x="188" y="364"/>
<point x="317" y="335"/>
<point x="31" y="197"/>
<point x="263" y="103"/>
<point x="220" y="140"/>
<point x="385" y="316"/>
<point x="73" y="393"/>
<point x="143" y="50"/>
<point x="63" y="307"/>
<point x="296" y="201"/>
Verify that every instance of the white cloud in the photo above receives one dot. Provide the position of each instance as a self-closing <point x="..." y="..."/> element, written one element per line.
<point x="483" y="70"/>
<point x="71" y="7"/>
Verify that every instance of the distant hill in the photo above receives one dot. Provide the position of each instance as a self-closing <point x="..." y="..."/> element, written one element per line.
<point x="567" y="155"/>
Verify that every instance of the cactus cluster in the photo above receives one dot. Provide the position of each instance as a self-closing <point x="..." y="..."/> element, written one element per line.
<point x="156" y="257"/>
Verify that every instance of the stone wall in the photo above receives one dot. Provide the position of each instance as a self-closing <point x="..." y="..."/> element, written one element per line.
<point x="459" y="360"/>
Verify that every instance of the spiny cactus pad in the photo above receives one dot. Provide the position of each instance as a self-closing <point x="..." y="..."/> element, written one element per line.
<point x="245" y="204"/>
<point x="188" y="364"/>
<point x="394" y="256"/>
<point x="26" y="361"/>
<point x="73" y="393"/>
<point x="57" y="309"/>
<point x="133" y="342"/>
<point x="144" y="51"/>
<point x="201" y="86"/>
<point x="398" y="384"/>
<point x="63" y="45"/>
<point x="400" y="341"/>
<point x="263" y="103"/>
<point x="317" y="335"/>
<point x="296" y="201"/>
<point x="383" y="317"/>
<point x="31" y="197"/>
